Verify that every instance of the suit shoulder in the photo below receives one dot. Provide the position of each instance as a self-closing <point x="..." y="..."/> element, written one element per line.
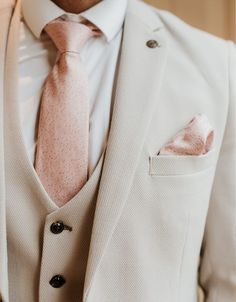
<point x="197" y="50"/>
<point x="177" y="28"/>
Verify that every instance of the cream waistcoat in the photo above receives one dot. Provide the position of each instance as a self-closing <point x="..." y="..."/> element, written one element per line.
<point x="35" y="254"/>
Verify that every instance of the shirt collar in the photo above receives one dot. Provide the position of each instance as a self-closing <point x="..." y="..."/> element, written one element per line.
<point x="107" y="15"/>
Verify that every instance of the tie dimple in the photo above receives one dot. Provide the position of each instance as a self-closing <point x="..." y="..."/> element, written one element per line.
<point x="61" y="160"/>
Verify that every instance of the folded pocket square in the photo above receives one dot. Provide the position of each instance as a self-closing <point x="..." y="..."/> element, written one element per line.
<point x="195" y="139"/>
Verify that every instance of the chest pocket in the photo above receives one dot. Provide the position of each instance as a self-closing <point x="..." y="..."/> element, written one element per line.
<point x="174" y="165"/>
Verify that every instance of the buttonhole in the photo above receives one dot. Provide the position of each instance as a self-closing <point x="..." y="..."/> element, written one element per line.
<point x="68" y="228"/>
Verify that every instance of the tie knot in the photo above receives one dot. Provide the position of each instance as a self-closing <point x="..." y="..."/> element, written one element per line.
<point x="69" y="36"/>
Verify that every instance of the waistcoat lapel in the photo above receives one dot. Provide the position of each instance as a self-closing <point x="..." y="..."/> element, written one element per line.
<point x="6" y="8"/>
<point x="139" y="80"/>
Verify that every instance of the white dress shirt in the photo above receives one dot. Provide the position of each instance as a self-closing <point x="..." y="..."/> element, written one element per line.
<point x="37" y="55"/>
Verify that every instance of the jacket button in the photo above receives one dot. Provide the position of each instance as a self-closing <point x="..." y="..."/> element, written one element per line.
<point x="152" y="44"/>
<point x="57" y="281"/>
<point x="57" y="227"/>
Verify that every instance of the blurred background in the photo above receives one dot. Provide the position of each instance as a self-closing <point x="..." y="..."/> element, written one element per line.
<point x="215" y="16"/>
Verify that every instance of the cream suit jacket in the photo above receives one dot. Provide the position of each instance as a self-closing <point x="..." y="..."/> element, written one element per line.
<point x="155" y="215"/>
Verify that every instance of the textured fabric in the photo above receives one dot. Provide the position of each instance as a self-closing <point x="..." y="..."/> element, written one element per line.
<point x="100" y="57"/>
<point x="62" y="150"/>
<point x="35" y="254"/>
<point x="148" y="230"/>
<point x="195" y="139"/>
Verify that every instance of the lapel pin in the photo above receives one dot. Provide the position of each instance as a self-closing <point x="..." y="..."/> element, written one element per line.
<point x="152" y="44"/>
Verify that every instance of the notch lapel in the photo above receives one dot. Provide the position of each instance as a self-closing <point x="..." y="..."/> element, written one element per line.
<point x="139" y="80"/>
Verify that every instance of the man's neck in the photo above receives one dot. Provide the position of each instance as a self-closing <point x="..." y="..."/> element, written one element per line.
<point x="75" y="6"/>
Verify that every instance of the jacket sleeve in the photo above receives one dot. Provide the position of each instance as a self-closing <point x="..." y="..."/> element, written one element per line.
<point x="218" y="263"/>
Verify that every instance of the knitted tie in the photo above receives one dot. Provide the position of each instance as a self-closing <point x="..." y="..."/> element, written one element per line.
<point x="61" y="160"/>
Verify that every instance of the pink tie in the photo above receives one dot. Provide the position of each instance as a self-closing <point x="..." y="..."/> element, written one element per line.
<point x="61" y="160"/>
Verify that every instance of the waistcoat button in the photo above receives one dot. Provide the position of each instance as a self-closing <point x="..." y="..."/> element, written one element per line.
<point x="57" y="227"/>
<point x="57" y="281"/>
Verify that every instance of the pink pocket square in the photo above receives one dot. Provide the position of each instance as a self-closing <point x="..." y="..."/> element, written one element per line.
<point x="195" y="139"/>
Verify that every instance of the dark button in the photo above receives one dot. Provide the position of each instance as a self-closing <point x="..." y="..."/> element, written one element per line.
<point x="57" y="227"/>
<point x="152" y="44"/>
<point x="57" y="281"/>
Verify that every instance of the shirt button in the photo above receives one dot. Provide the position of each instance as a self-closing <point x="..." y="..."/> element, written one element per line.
<point x="57" y="281"/>
<point x="57" y="227"/>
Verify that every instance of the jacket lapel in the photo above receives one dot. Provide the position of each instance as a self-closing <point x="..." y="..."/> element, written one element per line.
<point x="139" y="79"/>
<point x="6" y="9"/>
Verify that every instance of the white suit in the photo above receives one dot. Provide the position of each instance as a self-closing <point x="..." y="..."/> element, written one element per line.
<point x="155" y="214"/>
